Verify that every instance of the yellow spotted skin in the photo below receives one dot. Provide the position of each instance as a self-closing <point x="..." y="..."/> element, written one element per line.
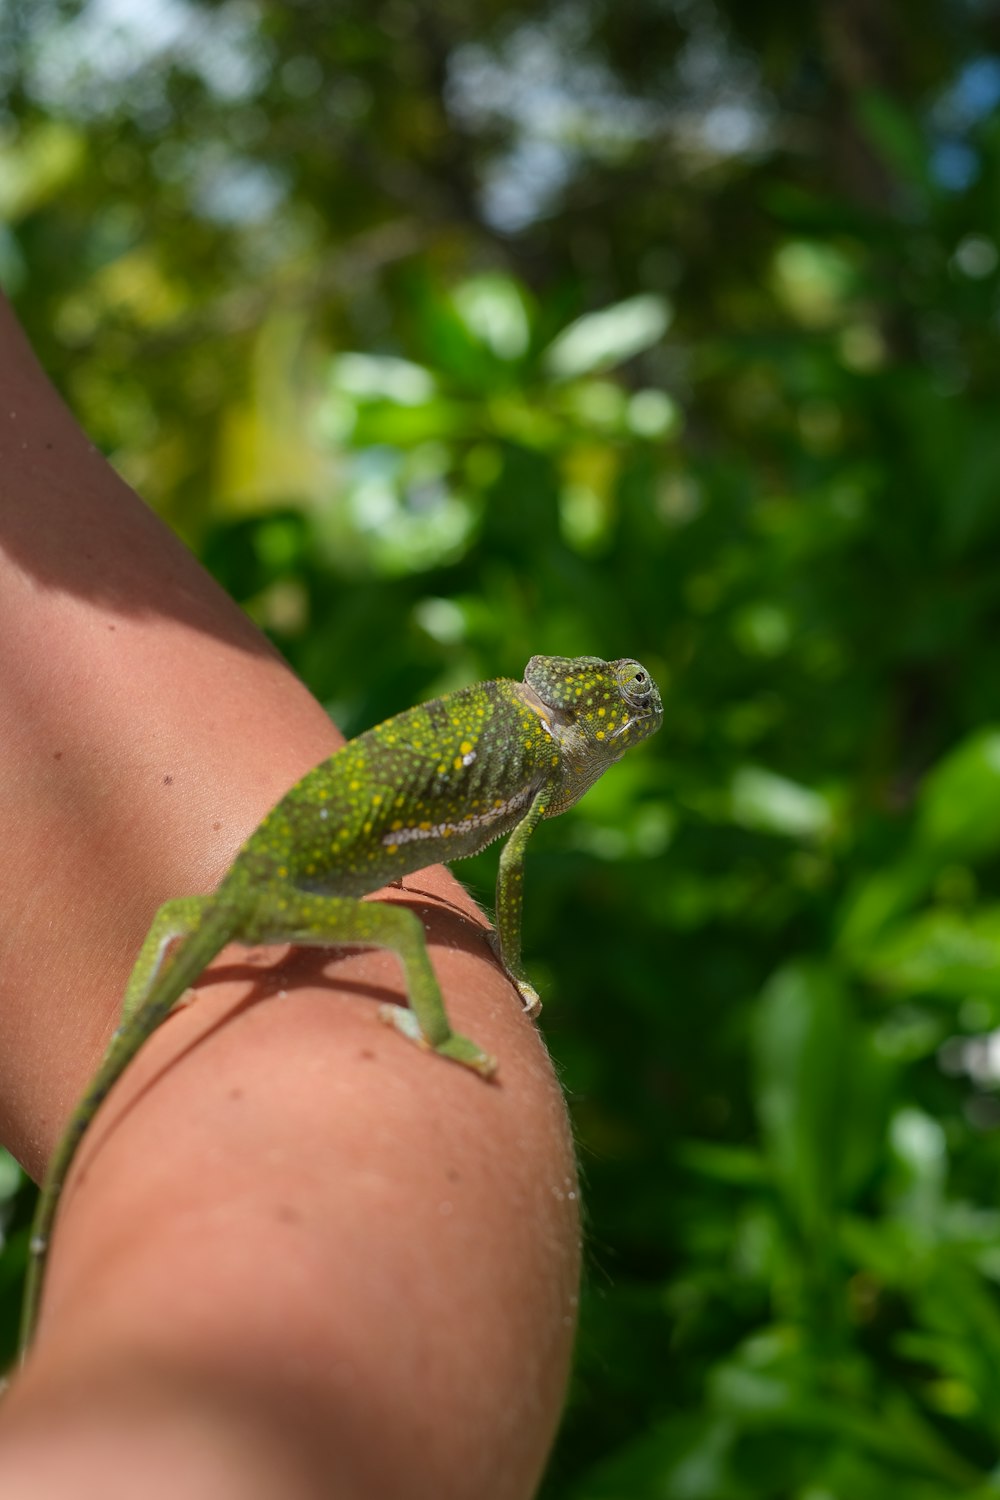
<point x="438" y="782"/>
<point x="435" y="783"/>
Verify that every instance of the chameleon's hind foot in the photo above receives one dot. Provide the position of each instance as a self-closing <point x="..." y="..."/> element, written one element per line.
<point x="459" y="1048"/>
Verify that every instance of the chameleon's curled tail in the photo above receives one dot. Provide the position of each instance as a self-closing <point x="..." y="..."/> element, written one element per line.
<point x="157" y="983"/>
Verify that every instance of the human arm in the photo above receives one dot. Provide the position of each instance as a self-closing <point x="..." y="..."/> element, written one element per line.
<point x="299" y="1248"/>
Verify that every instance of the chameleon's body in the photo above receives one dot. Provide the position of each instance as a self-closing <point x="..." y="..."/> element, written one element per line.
<point x="438" y="782"/>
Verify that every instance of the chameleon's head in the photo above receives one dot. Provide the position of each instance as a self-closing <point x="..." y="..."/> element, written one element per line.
<point x="595" y="710"/>
<point x="640" y="700"/>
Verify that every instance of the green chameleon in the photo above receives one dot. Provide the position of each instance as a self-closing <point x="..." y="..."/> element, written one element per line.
<point x="438" y="782"/>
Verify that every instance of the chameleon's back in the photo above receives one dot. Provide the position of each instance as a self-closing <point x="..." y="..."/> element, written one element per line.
<point x="437" y="782"/>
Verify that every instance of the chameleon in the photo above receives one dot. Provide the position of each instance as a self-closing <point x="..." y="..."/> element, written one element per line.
<point x="437" y="782"/>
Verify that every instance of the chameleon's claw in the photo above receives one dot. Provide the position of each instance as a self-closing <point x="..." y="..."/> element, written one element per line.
<point x="530" y="998"/>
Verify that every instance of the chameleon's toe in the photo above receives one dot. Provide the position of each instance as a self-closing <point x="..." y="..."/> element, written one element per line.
<point x="461" y="1050"/>
<point x="530" y="998"/>
<point x="404" y="1021"/>
<point x="458" y="1048"/>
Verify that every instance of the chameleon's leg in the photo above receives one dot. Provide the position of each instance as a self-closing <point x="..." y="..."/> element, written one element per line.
<point x="152" y="992"/>
<point x="510" y="893"/>
<point x="287" y="915"/>
<point x="175" y="919"/>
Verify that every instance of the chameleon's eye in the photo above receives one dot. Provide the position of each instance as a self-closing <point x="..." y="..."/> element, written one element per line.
<point x="634" y="683"/>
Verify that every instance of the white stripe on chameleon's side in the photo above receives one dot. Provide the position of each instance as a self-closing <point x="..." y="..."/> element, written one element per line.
<point x="463" y="825"/>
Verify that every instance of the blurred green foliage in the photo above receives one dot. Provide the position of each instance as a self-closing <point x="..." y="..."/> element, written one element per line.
<point x="450" y="334"/>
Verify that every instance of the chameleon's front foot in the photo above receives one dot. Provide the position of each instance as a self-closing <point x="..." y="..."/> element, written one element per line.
<point x="530" y="998"/>
<point x="459" y="1048"/>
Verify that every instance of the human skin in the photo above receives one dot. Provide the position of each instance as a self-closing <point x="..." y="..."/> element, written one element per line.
<point x="296" y="1254"/>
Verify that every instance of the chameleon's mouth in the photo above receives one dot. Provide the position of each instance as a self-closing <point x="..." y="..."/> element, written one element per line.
<point x="631" y="723"/>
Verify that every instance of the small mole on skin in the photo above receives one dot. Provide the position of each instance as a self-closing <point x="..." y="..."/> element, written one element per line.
<point x="216" y="827"/>
<point x="367" y="1054"/>
<point x="168" y="781"/>
<point x="57" y="755"/>
<point x="112" y="627"/>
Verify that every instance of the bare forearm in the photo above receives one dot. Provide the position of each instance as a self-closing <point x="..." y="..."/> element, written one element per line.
<point x="289" y="1224"/>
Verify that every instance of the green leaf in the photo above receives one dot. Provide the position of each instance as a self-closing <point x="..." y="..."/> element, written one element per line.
<point x="11" y="1176"/>
<point x="940" y="952"/>
<point x="958" y="814"/>
<point x="821" y="1092"/>
<point x="493" y="309"/>
<point x="601" y="340"/>
<point x="735" y="1165"/>
<point x="957" y="818"/>
<point x="769" y="803"/>
<point x="895" y="133"/>
<point x="687" y="1457"/>
<point x="877" y="900"/>
<point x="382" y="377"/>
